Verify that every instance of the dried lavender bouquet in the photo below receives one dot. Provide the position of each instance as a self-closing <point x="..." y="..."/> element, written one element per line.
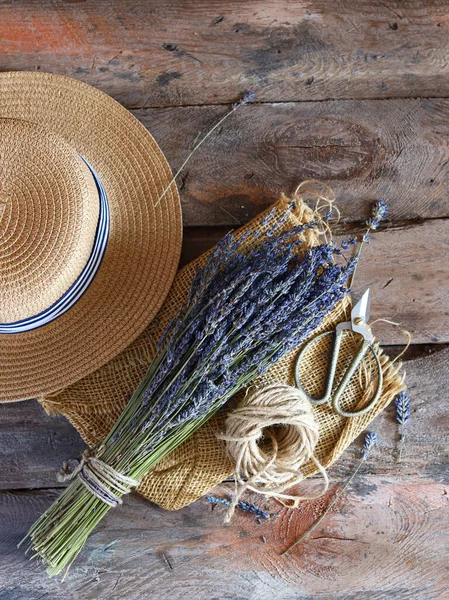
<point x="247" y="307"/>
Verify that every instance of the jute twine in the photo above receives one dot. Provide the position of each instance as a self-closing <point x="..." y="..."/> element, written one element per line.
<point x="102" y="480"/>
<point x="269" y="437"/>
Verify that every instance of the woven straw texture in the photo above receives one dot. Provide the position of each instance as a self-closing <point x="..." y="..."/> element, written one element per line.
<point x="94" y="403"/>
<point x="47" y="222"/>
<point x="50" y="226"/>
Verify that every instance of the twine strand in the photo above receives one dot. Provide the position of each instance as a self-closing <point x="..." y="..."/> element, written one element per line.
<point x="270" y="436"/>
<point x="102" y="480"/>
<point x="324" y="199"/>
<point x="406" y="332"/>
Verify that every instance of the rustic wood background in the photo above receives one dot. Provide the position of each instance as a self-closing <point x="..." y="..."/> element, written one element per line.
<point x="355" y="93"/>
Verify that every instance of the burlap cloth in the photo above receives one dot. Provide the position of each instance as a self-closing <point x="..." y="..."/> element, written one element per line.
<point x="94" y="403"/>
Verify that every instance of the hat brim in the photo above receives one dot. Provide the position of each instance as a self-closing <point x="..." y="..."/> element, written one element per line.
<point x="144" y="244"/>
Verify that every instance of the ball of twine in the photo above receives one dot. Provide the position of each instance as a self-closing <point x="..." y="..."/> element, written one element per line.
<point x="270" y="436"/>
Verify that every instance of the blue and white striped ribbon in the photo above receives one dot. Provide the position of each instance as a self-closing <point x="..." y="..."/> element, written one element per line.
<point x="78" y="288"/>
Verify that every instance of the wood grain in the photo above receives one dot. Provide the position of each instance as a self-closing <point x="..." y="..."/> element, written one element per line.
<point x="384" y="539"/>
<point x="148" y="53"/>
<point x="395" y="150"/>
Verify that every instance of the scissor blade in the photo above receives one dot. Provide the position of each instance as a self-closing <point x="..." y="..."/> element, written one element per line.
<point x="362" y="309"/>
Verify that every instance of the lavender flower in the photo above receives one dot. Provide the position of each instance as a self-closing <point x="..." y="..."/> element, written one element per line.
<point x="346" y="244"/>
<point x="403" y="408"/>
<point x="379" y="212"/>
<point x="249" y="507"/>
<point x="403" y="413"/>
<point x="370" y="442"/>
<point x="247" y="97"/>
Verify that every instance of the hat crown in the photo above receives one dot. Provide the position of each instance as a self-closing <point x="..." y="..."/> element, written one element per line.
<point x="49" y="210"/>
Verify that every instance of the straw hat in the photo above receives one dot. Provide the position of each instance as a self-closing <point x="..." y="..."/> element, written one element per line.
<point x="87" y="254"/>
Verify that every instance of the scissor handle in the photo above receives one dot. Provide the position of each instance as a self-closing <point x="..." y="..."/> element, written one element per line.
<point x="347" y="376"/>
<point x="332" y="366"/>
<point x="336" y="396"/>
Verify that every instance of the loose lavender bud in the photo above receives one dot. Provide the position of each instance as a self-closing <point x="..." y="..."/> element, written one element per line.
<point x="379" y="212"/>
<point x="248" y="507"/>
<point x="403" y="408"/>
<point x="247" y="97"/>
<point x="370" y="441"/>
<point x="346" y="244"/>
<point x="252" y="508"/>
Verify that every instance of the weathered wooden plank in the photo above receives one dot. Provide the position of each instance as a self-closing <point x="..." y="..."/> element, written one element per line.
<point x="396" y="150"/>
<point x="178" y="52"/>
<point x="384" y="539"/>
<point x="407" y="270"/>
<point x="34" y="445"/>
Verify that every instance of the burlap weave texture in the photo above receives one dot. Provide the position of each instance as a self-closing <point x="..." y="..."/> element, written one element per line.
<point x="95" y="402"/>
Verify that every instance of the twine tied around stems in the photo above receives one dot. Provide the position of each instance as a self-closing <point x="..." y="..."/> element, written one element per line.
<point x="102" y="480"/>
<point x="270" y="436"/>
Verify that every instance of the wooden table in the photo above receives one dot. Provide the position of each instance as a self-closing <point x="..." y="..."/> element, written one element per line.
<point x="354" y="93"/>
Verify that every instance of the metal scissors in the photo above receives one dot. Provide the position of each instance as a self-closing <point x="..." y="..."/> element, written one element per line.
<point x="358" y="324"/>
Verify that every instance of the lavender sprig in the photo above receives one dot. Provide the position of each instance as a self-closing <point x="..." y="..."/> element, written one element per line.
<point x="246" y="98"/>
<point x="403" y="413"/>
<point x="370" y="441"/>
<point x="249" y="507"/>
<point x="379" y="212"/>
<point x="403" y="408"/>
